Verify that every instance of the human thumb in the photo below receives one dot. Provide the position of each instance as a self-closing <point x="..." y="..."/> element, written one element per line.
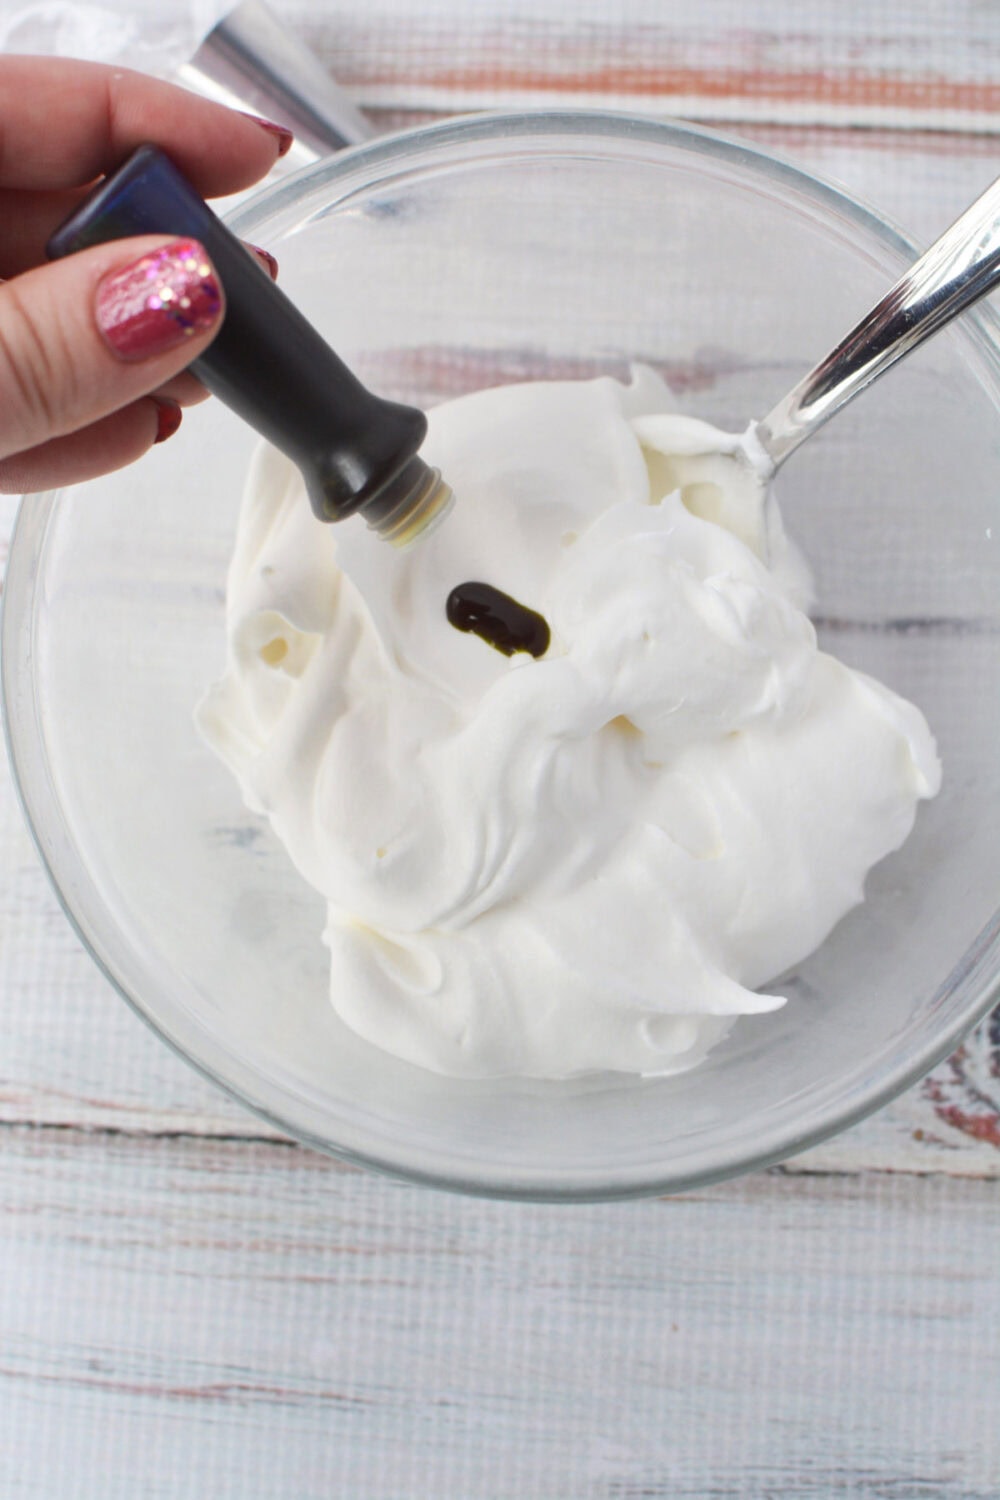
<point x="92" y="333"/>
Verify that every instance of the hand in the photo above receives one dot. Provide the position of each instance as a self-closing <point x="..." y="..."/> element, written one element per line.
<point x="91" y="366"/>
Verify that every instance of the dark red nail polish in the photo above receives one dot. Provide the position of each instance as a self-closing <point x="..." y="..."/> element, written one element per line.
<point x="270" y="264"/>
<point x="157" y="302"/>
<point x="281" y="133"/>
<point x="168" y="418"/>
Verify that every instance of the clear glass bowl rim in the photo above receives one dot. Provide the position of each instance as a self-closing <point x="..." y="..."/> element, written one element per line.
<point x="501" y="135"/>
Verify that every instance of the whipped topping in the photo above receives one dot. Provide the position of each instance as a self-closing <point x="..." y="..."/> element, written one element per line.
<point x="596" y="859"/>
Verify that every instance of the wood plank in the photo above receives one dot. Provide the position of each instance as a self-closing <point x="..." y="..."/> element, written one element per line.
<point x="275" y="1325"/>
<point x="184" y="1317"/>
<point x="717" y="60"/>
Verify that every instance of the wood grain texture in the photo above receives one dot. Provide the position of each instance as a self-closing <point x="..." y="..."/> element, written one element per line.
<point x="181" y="1319"/>
<point x="183" y="1315"/>
<point x="896" y="65"/>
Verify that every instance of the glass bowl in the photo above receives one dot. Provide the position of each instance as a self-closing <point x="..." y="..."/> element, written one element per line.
<point x="464" y="255"/>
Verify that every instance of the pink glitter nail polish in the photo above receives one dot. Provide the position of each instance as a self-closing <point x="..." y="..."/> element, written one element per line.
<point x="157" y="302"/>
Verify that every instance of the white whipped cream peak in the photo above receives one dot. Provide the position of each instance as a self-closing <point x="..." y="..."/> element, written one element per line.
<point x="588" y="861"/>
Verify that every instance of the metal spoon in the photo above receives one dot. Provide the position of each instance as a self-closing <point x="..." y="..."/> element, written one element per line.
<point x="251" y="60"/>
<point x="960" y="267"/>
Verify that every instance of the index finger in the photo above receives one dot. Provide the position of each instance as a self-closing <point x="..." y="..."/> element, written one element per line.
<point x="64" y="123"/>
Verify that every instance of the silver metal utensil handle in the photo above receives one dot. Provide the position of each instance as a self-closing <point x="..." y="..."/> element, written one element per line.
<point x="252" y="61"/>
<point x="958" y="268"/>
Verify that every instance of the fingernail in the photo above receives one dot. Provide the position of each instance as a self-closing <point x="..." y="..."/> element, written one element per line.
<point x="168" y="418"/>
<point x="157" y="302"/>
<point x="281" y="133"/>
<point x="266" y="258"/>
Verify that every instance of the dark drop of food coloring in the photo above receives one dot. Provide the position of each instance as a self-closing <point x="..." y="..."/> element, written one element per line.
<point x="497" y="619"/>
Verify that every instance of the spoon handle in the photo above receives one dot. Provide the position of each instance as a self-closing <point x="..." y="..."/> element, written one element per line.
<point x="252" y="60"/>
<point x="958" y="268"/>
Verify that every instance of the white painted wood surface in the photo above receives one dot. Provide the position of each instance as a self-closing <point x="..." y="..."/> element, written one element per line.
<point x="189" y="1308"/>
<point x="187" y="1319"/>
